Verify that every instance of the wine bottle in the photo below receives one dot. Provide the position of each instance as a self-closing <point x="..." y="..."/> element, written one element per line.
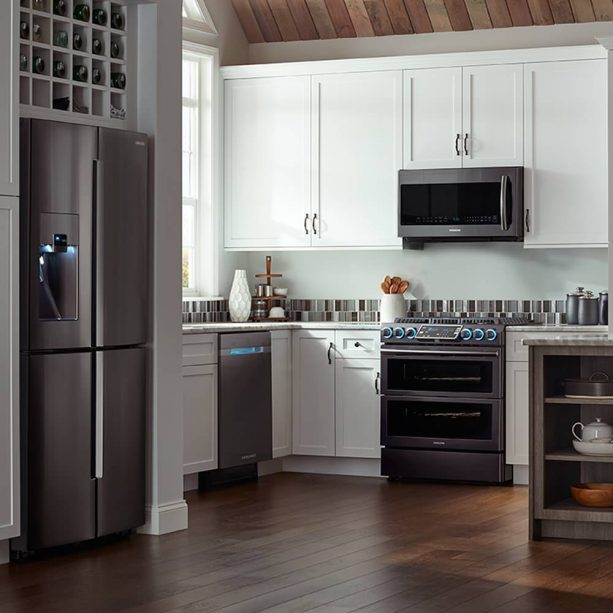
<point x="38" y="65"/>
<point x="115" y="50"/>
<point x="24" y="29"/>
<point x="60" y="7"/>
<point x="36" y="31"/>
<point x="38" y="5"/>
<point x="60" y="38"/>
<point x="79" y="73"/>
<point x="96" y="76"/>
<point x="97" y="46"/>
<point x="59" y="69"/>
<point x="77" y="41"/>
<point x="117" y="20"/>
<point x="99" y="17"/>
<point x="81" y="12"/>
<point x="23" y="62"/>
<point x="118" y="80"/>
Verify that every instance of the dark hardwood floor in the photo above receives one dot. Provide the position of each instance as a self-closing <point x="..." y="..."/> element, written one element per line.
<point x="328" y="544"/>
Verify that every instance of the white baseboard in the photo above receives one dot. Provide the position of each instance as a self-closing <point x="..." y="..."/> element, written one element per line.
<point x="190" y="482"/>
<point x="165" y="518"/>
<point x="270" y="467"/>
<point x="355" y="467"/>
<point x="4" y="552"/>
<point x="521" y="475"/>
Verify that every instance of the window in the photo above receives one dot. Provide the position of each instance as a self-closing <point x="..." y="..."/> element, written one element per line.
<point x="197" y="17"/>
<point x="199" y="236"/>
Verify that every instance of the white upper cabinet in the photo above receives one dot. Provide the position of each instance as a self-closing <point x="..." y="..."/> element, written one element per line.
<point x="357" y="153"/>
<point x="565" y="176"/>
<point x="492" y="116"/>
<point x="433" y="118"/>
<point x="9" y="111"/>
<point x="463" y="117"/>
<point x="267" y="162"/>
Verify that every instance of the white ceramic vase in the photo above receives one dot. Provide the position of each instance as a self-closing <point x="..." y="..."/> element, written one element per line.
<point x="392" y="306"/>
<point x="239" y="301"/>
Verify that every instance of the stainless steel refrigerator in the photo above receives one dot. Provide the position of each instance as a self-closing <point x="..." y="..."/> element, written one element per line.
<point x="84" y="305"/>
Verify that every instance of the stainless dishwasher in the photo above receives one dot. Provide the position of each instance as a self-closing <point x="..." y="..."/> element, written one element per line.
<point x="245" y="399"/>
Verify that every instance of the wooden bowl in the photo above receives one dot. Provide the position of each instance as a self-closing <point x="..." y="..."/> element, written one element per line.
<point x="593" y="494"/>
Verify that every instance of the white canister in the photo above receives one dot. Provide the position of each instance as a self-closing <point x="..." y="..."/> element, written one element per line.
<point x="392" y="306"/>
<point x="239" y="302"/>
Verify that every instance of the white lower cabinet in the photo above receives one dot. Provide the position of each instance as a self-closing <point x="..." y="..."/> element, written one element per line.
<point x="517" y="412"/>
<point x="313" y="393"/>
<point x="357" y="408"/>
<point x="281" y="343"/>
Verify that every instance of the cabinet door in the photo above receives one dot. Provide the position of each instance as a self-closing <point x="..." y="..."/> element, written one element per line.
<point x="199" y="418"/>
<point x="313" y="392"/>
<point x="267" y="162"/>
<point x="565" y="176"/>
<point x="357" y="408"/>
<point x="9" y="109"/>
<point x="517" y="429"/>
<point x="357" y="152"/>
<point x="433" y="118"/>
<point x="281" y="343"/>
<point x="9" y="389"/>
<point x="492" y="112"/>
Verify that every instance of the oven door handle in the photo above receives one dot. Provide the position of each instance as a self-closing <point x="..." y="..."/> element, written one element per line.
<point x="441" y="352"/>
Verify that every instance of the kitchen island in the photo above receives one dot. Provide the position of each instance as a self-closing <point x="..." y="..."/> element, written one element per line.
<point x="554" y="464"/>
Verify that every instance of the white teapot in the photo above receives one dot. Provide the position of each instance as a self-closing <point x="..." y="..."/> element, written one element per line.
<point x="596" y="430"/>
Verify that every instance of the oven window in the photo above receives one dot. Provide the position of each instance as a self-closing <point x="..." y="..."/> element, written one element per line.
<point x="446" y="420"/>
<point x="452" y="204"/>
<point x="440" y="375"/>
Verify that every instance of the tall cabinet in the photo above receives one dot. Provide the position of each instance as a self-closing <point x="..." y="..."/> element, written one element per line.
<point x="9" y="280"/>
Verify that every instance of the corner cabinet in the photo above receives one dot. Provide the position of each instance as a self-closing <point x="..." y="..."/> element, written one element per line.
<point x="267" y="151"/>
<point x="9" y="368"/>
<point x="9" y="111"/>
<point x="566" y="172"/>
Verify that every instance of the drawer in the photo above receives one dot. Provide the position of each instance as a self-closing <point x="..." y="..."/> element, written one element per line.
<point x="357" y="344"/>
<point x="199" y="349"/>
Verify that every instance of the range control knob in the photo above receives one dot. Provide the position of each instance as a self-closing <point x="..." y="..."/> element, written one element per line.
<point x="491" y="334"/>
<point x="387" y="332"/>
<point x="411" y="333"/>
<point x="399" y="333"/>
<point x="479" y="334"/>
<point x="466" y="334"/>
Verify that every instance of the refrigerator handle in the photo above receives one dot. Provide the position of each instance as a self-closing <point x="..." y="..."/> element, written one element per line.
<point x="99" y="288"/>
<point x="99" y="416"/>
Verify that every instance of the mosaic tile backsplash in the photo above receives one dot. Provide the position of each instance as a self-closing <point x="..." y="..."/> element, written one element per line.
<point x="367" y="310"/>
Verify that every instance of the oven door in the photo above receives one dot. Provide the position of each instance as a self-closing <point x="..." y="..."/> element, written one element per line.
<point x="439" y="423"/>
<point x="445" y="372"/>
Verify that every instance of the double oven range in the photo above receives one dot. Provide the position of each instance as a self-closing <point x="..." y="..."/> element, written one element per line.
<point x="442" y="399"/>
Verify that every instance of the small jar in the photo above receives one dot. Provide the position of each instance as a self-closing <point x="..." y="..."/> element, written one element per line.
<point x="588" y="310"/>
<point x="572" y="305"/>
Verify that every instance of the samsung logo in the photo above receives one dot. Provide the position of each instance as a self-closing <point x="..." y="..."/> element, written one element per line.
<point x="251" y="456"/>
<point x="455" y="229"/>
<point x="438" y="442"/>
<point x="140" y="143"/>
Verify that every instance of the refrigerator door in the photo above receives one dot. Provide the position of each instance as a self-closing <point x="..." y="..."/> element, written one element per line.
<point x="120" y="439"/>
<point x="122" y="229"/>
<point x="61" y="491"/>
<point x="59" y="215"/>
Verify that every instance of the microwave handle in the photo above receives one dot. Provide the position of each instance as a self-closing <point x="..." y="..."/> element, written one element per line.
<point x="504" y="226"/>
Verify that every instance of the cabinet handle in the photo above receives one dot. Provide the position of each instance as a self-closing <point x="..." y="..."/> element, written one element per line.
<point x="357" y="344"/>
<point x="457" y="145"/>
<point x="377" y="383"/>
<point x="314" y="220"/>
<point x="330" y="353"/>
<point x="466" y="143"/>
<point x="527" y="220"/>
<point x="306" y="221"/>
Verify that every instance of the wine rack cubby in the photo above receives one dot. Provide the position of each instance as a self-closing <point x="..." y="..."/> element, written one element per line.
<point x="69" y="65"/>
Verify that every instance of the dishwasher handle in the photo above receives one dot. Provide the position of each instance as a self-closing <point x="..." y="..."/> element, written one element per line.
<point x="244" y="351"/>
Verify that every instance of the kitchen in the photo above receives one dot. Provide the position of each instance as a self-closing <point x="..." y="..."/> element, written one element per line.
<point x="277" y="168"/>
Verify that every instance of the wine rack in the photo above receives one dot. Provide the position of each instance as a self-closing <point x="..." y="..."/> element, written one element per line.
<point x="50" y="93"/>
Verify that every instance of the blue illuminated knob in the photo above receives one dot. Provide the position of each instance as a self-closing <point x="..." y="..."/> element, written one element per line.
<point x="491" y="334"/>
<point x="479" y="334"/>
<point x="387" y="332"/>
<point x="411" y="333"/>
<point x="399" y="332"/>
<point x="466" y="334"/>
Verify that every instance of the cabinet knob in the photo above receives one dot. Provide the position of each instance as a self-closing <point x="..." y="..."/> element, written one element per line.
<point x="357" y="344"/>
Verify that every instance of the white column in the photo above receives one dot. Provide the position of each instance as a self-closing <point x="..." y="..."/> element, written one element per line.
<point x="159" y="115"/>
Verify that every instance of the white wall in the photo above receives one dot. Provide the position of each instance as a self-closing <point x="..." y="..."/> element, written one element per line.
<point x="450" y="271"/>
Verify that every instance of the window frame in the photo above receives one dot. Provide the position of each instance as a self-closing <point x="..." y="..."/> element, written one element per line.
<point x="207" y="218"/>
<point x="203" y="22"/>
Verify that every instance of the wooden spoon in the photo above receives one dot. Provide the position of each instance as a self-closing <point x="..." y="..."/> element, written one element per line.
<point x="385" y="288"/>
<point x="394" y="288"/>
<point x="404" y="286"/>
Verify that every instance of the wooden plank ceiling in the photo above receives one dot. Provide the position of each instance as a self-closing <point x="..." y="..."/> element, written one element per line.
<point x="290" y="20"/>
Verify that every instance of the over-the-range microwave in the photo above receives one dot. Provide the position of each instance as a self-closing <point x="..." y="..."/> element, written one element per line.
<point x="461" y="204"/>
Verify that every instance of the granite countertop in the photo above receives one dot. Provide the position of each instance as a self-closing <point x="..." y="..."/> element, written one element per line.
<point x="279" y="325"/>
<point x="560" y="328"/>
<point x="587" y="340"/>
